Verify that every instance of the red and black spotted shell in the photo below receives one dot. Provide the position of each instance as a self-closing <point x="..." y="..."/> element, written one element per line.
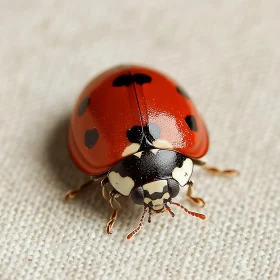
<point x="130" y="108"/>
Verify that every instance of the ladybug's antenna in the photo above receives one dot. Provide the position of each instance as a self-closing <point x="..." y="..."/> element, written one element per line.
<point x="198" y="215"/>
<point x="129" y="236"/>
<point x="150" y="215"/>
<point x="169" y="210"/>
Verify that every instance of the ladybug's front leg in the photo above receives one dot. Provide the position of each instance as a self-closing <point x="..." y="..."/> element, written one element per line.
<point x="214" y="170"/>
<point x="112" y="196"/>
<point x="196" y="200"/>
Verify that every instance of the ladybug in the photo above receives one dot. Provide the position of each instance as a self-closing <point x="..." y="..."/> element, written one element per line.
<point x="137" y="132"/>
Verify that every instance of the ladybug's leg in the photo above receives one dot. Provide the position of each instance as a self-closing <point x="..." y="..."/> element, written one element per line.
<point x="73" y="193"/>
<point x="105" y="191"/>
<point x="214" y="170"/>
<point x="197" y="200"/>
<point x="111" y="197"/>
<point x="116" y="208"/>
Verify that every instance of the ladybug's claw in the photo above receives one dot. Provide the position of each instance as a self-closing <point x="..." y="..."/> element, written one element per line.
<point x="112" y="221"/>
<point x="70" y="195"/>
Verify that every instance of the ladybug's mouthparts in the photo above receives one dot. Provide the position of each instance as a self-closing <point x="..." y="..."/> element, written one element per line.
<point x="158" y="210"/>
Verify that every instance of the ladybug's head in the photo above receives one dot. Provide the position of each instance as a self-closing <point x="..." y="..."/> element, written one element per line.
<point x="152" y="178"/>
<point x="156" y="194"/>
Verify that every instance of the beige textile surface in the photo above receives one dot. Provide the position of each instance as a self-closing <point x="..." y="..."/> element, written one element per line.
<point x="225" y="53"/>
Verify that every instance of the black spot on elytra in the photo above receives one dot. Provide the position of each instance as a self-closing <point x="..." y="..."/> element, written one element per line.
<point x="182" y="92"/>
<point x="83" y="106"/>
<point x="91" y="137"/>
<point x="144" y="136"/>
<point x="123" y="80"/>
<point x="141" y="79"/>
<point x="135" y="134"/>
<point x="128" y="79"/>
<point x="191" y="122"/>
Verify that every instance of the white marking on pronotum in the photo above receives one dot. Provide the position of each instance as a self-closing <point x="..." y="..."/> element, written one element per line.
<point x="123" y="185"/>
<point x="154" y="151"/>
<point x="183" y="174"/>
<point x="131" y="149"/>
<point x="139" y="154"/>
<point x="162" y="144"/>
<point x="154" y="187"/>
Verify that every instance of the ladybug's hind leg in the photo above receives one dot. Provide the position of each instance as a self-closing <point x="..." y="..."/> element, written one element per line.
<point x="214" y="170"/>
<point x="196" y="200"/>
<point x="73" y="193"/>
<point x="111" y="196"/>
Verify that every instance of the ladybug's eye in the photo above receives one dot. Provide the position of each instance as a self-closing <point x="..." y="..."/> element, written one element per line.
<point x="173" y="187"/>
<point x="137" y="195"/>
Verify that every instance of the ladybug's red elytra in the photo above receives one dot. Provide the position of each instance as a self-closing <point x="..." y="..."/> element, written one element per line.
<point x="138" y="132"/>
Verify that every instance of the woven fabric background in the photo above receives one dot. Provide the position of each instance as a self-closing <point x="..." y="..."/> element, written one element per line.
<point x="225" y="53"/>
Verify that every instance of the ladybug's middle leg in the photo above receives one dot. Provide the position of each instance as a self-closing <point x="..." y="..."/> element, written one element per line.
<point x="214" y="170"/>
<point x="111" y="196"/>
<point x="197" y="200"/>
